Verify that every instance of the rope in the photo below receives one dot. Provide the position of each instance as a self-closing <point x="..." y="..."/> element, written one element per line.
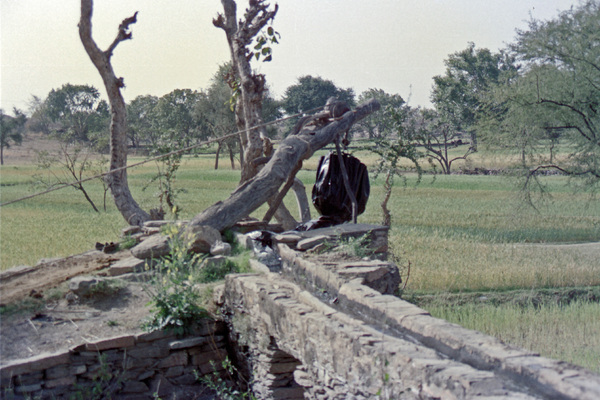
<point x="183" y="150"/>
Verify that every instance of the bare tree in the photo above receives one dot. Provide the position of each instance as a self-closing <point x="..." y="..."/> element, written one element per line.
<point x="117" y="181"/>
<point x="74" y="161"/>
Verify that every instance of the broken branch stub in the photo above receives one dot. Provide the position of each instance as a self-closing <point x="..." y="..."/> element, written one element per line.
<point x="292" y="150"/>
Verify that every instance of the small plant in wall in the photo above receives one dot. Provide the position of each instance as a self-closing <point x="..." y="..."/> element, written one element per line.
<point x="175" y="304"/>
<point x="223" y="387"/>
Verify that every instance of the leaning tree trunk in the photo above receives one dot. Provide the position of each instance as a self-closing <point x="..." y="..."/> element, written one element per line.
<point x="286" y="159"/>
<point x="117" y="181"/>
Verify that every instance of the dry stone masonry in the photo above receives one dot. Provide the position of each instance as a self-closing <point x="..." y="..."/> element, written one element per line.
<point x="316" y="325"/>
<point x="139" y="366"/>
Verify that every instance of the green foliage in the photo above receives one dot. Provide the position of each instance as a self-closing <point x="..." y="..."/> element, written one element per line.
<point x="106" y="288"/>
<point x="553" y="104"/>
<point x="263" y="42"/>
<point x="212" y="272"/>
<point x="215" y="272"/>
<point x="379" y="125"/>
<point x="224" y="388"/>
<point x="177" y="310"/>
<point x="390" y="153"/>
<point x="127" y="243"/>
<point x="77" y="111"/>
<point x="11" y="130"/>
<point x="355" y="246"/>
<point x="105" y="384"/>
<point x="174" y="300"/>
<point x="310" y="92"/>
<point x="457" y="94"/>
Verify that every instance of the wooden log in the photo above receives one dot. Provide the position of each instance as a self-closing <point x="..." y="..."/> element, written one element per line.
<point x="252" y="194"/>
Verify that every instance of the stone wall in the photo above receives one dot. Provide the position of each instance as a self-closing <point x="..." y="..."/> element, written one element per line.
<point x="332" y="330"/>
<point x="128" y="367"/>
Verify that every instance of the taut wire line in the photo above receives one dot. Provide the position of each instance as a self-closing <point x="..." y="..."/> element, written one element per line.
<point x="183" y="150"/>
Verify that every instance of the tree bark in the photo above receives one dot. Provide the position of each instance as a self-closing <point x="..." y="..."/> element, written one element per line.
<point x="302" y="200"/>
<point x="264" y="186"/>
<point x="117" y="181"/>
<point x="248" y="108"/>
<point x="251" y="87"/>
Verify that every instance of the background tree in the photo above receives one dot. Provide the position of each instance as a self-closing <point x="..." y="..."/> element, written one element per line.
<point x="177" y="124"/>
<point x="117" y="181"/>
<point x="457" y="94"/>
<point x="215" y="106"/>
<point x="74" y="162"/>
<point x="554" y="102"/>
<point x="426" y="129"/>
<point x="39" y="121"/>
<point x="312" y="92"/>
<point x="379" y="125"/>
<point x="140" y="124"/>
<point x="11" y="130"/>
<point x="76" y="111"/>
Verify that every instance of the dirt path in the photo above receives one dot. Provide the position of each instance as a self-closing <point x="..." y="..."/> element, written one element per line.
<point x="587" y="249"/>
<point x="54" y="323"/>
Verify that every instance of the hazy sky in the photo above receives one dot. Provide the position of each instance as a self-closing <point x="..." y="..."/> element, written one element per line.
<point x="394" y="45"/>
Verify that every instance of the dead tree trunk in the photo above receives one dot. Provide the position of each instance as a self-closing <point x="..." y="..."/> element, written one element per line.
<point x="117" y="181"/>
<point x="265" y="185"/>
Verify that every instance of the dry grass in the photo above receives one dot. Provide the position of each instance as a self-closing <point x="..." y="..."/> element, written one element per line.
<point x="563" y="332"/>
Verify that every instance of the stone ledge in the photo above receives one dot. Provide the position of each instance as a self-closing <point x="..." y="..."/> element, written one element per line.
<point x="138" y="357"/>
<point x="466" y="346"/>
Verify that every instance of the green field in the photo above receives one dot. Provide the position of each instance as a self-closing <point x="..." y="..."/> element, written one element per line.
<point x="459" y="233"/>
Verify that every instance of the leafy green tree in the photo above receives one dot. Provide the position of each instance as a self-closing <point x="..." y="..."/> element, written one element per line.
<point x="76" y="110"/>
<point x="312" y="92"/>
<point x="178" y="125"/>
<point x="457" y="95"/>
<point x="554" y="103"/>
<point x="381" y="124"/>
<point x="216" y="108"/>
<point x="11" y="130"/>
<point x="176" y="118"/>
<point x="140" y="123"/>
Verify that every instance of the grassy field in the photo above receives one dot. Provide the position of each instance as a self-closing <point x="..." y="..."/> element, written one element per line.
<point x="460" y="234"/>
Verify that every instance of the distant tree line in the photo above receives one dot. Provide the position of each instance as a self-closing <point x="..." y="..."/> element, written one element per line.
<point x="537" y="97"/>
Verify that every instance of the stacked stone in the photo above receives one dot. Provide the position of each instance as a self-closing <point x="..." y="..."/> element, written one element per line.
<point x="376" y="240"/>
<point x="137" y="366"/>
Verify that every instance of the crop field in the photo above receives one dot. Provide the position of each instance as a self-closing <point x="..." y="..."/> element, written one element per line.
<point x="465" y="237"/>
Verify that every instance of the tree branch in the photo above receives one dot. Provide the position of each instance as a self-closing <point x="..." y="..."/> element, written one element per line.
<point x="123" y="34"/>
<point x="578" y="112"/>
<point x="563" y="170"/>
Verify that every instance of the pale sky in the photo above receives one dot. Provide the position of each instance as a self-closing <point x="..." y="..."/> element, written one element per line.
<point x="394" y="45"/>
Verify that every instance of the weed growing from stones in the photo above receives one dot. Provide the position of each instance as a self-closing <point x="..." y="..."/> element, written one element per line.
<point x="223" y="387"/>
<point x="127" y="243"/>
<point x="104" y="386"/>
<point x="175" y="304"/>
